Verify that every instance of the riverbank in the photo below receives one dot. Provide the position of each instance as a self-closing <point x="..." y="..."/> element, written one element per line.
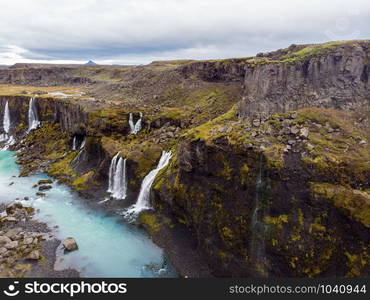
<point x="28" y="247"/>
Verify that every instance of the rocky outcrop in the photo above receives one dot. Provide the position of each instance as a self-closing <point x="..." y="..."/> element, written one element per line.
<point x="263" y="201"/>
<point x="45" y="76"/>
<point x="328" y="75"/>
<point x="228" y="70"/>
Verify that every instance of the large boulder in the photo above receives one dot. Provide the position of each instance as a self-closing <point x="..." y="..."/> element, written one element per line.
<point x="4" y="240"/>
<point x="70" y="244"/>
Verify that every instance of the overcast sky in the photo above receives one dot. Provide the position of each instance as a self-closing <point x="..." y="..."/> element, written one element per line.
<point x="140" y="31"/>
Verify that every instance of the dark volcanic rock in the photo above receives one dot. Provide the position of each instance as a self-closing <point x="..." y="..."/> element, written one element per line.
<point x="335" y="79"/>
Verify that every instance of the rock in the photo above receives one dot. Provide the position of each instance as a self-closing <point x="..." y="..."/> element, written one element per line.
<point x="26" y="198"/>
<point x="34" y="255"/>
<point x="294" y="130"/>
<point x="4" y="240"/>
<point x="12" y="233"/>
<point x="10" y="184"/>
<point x="28" y="241"/>
<point x="291" y="142"/>
<point x="287" y="148"/>
<point x="304" y="132"/>
<point x="221" y="129"/>
<point x="310" y="147"/>
<point x="10" y="219"/>
<point x="70" y="244"/>
<point x="45" y="181"/>
<point x="362" y="142"/>
<point x="3" y="250"/>
<point x="254" y="133"/>
<point x="10" y="208"/>
<point x="293" y="115"/>
<point x="40" y="194"/>
<point x="45" y="187"/>
<point x="256" y="123"/>
<point x="11" y="245"/>
<point x="330" y="130"/>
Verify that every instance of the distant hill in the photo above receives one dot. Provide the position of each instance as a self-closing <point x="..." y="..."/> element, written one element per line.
<point x="91" y="63"/>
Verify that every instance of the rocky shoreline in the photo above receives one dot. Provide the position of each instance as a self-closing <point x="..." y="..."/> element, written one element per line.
<point x="27" y="247"/>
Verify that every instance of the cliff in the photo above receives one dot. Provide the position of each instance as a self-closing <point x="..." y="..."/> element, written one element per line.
<point x="332" y="75"/>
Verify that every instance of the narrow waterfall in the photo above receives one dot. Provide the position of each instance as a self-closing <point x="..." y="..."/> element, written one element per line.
<point x="83" y="143"/>
<point x="118" y="177"/>
<point x="131" y="123"/>
<point x="74" y="145"/>
<point x="6" y="124"/>
<point x="135" y="127"/>
<point x="6" y="121"/>
<point x="33" y="121"/>
<point x="257" y="247"/>
<point x="143" y="201"/>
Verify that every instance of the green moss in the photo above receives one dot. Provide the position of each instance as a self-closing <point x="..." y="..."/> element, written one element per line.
<point x="63" y="167"/>
<point x="82" y="183"/>
<point x="150" y="222"/>
<point x="355" y="202"/>
<point x="276" y="221"/>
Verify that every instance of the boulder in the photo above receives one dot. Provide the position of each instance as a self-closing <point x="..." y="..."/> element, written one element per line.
<point x="4" y="240"/>
<point x="256" y="123"/>
<point x="70" y="244"/>
<point x="28" y="241"/>
<point x="45" y="181"/>
<point x="304" y="132"/>
<point x="13" y="233"/>
<point x="11" y="245"/>
<point x="45" y="187"/>
<point x="10" y="208"/>
<point x="34" y="255"/>
<point x="10" y="219"/>
<point x="294" y="130"/>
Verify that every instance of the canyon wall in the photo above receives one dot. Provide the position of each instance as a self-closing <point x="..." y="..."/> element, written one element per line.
<point x="336" y="77"/>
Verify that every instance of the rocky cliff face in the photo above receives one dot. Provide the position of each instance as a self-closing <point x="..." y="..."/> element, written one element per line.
<point x="263" y="201"/>
<point x="42" y="76"/>
<point x="331" y="76"/>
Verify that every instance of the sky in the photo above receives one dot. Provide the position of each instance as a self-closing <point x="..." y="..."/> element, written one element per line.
<point x="141" y="31"/>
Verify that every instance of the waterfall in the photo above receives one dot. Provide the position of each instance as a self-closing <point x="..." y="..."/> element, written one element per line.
<point x="131" y="123"/>
<point x="74" y="146"/>
<point x="134" y="127"/>
<point x="33" y="121"/>
<point x="76" y="142"/>
<point x="83" y="143"/>
<point x="6" y="124"/>
<point x="6" y="121"/>
<point x="143" y="201"/>
<point x="258" y="228"/>
<point x="118" y="177"/>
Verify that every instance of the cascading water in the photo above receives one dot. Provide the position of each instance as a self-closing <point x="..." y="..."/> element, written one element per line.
<point x="33" y="121"/>
<point x="6" y="123"/>
<point x="74" y="145"/>
<point x="143" y="201"/>
<point x="83" y="143"/>
<point x="257" y="247"/>
<point x="134" y="127"/>
<point x="118" y="178"/>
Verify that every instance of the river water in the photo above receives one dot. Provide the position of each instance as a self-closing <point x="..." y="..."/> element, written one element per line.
<point x="107" y="247"/>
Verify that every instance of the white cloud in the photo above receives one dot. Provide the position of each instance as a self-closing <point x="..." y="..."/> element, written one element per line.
<point x="143" y="30"/>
